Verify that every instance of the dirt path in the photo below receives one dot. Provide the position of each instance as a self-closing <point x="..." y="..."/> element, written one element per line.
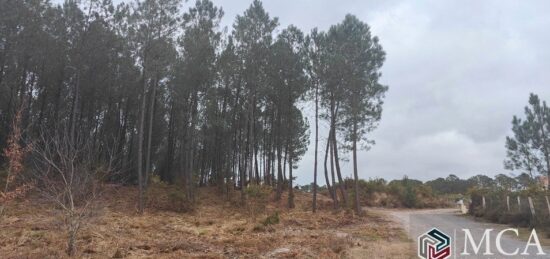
<point x="449" y="221"/>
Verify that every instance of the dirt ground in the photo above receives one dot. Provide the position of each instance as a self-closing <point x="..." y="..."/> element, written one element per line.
<point x="217" y="228"/>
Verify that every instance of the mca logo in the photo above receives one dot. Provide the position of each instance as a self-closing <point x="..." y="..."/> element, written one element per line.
<point x="434" y="244"/>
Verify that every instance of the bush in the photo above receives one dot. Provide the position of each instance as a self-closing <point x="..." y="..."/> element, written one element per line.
<point x="519" y="216"/>
<point x="178" y="200"/>
<point x="398" y="193"/>
<point x="169" y="197"/>
<point x="256" y="191"/>
<point x="409" y="197"/>
<point x="257" y="197"/>
<point x="271" y="219"/>
<point x="521" y="219"/>
<point x="406" y="192"/>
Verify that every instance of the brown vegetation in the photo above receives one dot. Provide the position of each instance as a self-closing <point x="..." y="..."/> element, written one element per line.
<point x="15" y="154"/>
<point x="214" y="229"/>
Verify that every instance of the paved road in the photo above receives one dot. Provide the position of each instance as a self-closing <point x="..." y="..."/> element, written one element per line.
<point x="417" y="222"/>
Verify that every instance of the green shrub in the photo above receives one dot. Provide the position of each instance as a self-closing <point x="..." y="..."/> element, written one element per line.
<point x="409" y="197"/>
<point x="271" y="219"/>
<point x="170" y="197"/>
<point x="256" y="191"/>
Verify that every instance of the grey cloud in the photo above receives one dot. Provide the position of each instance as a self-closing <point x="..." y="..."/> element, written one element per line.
<point x="457" y="71"/>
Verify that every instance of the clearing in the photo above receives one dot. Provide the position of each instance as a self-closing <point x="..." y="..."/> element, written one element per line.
<point x="215" y="229"/>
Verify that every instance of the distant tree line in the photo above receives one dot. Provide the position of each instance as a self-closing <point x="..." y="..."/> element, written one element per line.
<point x="170" y="93"/>
<point x="412" y="193"/>
<point x="452" y="184"/>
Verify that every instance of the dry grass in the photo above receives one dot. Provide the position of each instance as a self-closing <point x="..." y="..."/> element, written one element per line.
<point x="215" y="229"/>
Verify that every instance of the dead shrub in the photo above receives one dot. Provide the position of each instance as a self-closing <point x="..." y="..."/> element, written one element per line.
<point x="69" y="172"/>
<point x="15" y="153"/>
<point x="338" y="245"/>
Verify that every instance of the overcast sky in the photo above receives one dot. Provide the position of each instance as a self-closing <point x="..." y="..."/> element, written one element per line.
<point x="457" y="72"/>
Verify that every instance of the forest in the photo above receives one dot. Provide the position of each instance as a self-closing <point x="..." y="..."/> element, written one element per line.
<point x="159" y="91"/>
<point x="156" y="91"/>
<point x="154" y="128"/>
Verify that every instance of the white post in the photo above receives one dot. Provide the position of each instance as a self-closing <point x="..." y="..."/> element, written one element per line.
<point x="547" y="204"/>
<point x="519" y="204"/>
<point x="483" y="202"/>
<point x="508" y="202"/>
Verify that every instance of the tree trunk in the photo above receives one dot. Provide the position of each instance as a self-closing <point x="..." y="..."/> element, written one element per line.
<point x="290" y="187"/>
<point x="251" y="138"/>
<point x="244" y="171"/>
<point x="341" y="186"/>
<point x="165" y="170"/>
<point x="191" y="149"/>
<point x="75" y="109"/>
<point x="314" y="206"/>
<point x="338" y="171"/>
<point x="331" y="151"/>
<point x="355" y="174"/>
<point x="150" y="135"/>
<point x="140" y="146"/>
<point x="272" y="180"/>
<point x="329" y="187"/>
<point x="284" y="163"/>
<point x="72" y="234"/>
<point x="256" y="169"/>
<point x="279" y="158"/>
